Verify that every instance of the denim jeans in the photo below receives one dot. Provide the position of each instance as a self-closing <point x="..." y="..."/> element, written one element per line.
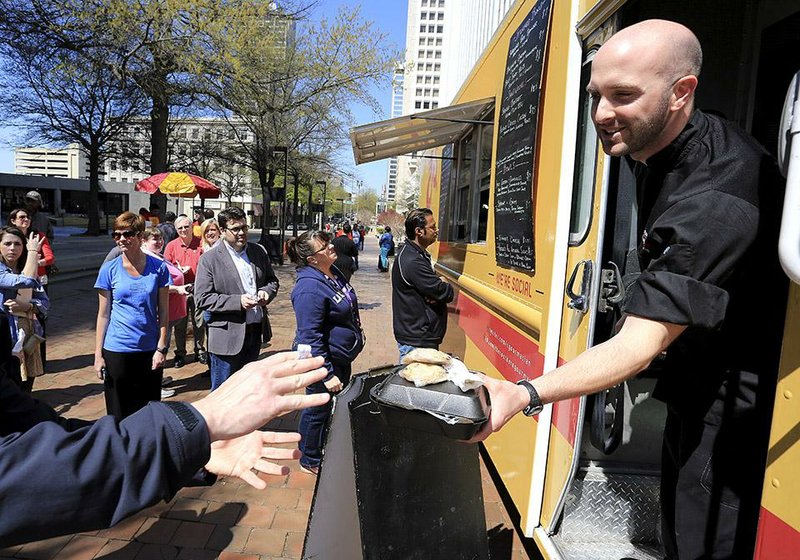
<point x="222" y="367"/>
<point x="404" y="349"/>
<point x="313" y="420"/>
<point x="385" y="258"/>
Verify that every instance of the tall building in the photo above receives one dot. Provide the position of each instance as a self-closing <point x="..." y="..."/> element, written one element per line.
<point x="66" y="163"/>
<point x="397" y="110"/>
<point x="469" y="30"/>
<point x="444" y="39"/>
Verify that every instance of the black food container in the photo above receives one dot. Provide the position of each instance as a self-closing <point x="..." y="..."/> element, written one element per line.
<point x="441" y="409"/>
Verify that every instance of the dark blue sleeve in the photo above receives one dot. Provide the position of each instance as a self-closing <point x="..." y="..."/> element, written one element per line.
<point x="95" y="476"/>
<point x="19" y="411"/>
<point x="310" y="312"/>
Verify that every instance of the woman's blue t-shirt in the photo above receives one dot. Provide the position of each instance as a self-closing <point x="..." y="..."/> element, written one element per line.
<point x="133" y="325"/>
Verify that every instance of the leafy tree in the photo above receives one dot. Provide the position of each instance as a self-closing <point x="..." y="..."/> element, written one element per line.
<point x="298" y="98"/>
<point x="394" y="220"/>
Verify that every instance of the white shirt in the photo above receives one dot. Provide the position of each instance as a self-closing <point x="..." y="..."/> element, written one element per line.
<point x="248" y="278"/>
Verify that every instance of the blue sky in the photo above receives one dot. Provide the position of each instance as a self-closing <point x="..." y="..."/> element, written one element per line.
<point x="389" y="17"/>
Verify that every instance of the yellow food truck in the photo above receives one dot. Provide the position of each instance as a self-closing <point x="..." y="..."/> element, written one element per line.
<point x="535" y="222"/>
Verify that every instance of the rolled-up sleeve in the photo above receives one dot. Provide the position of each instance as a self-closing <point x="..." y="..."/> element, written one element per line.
<point x="691" y="250"/>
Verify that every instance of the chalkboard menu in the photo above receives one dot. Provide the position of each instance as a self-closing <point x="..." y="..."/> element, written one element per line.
<point x="516" y="140"/>
<point x="444" y="192"/>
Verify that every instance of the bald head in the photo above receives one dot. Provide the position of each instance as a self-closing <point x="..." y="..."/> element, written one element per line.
<point x="643" y="83"/>
<point x="671" y="49"/>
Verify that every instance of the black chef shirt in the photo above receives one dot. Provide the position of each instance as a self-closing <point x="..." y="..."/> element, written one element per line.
<point x="709" y="213"/>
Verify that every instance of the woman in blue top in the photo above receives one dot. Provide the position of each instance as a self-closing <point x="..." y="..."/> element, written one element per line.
<point x="326" y="309"/>
<point x="386" y="244"/>
<point x="132" y="319"/>
<point x="19" y="259"/>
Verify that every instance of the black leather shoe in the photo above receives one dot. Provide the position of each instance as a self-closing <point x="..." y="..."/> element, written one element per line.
<point x="201" y="356"/>
<point x="180" y="361"/>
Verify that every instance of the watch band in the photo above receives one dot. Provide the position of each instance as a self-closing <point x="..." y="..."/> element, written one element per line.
<point x="535" y="405"/>
<point x="163" y="350"/>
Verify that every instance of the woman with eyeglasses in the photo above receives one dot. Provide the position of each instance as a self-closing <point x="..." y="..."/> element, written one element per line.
<point x="18" y="264"/>
<point x="46" y="258"/>
<point x="132" y="319"/>
<point x="326" y="309"/>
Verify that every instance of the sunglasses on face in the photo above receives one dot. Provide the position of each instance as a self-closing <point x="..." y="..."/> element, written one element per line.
<point x="127" y="234"/>
<point x="22" y="217"/>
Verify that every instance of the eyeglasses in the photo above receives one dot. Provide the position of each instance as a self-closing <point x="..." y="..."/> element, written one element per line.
<point x="22" y="217"/>
<point x="127" y="234"/>
<point x="238" y="230"/>
<point x="182" y="227"/>
<point x="324" y="248"/>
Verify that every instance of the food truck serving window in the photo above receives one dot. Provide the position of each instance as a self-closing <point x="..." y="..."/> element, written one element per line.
<point x="470" y="197"/>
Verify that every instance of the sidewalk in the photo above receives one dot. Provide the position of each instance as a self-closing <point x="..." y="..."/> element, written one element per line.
<point x="229" y="520"/>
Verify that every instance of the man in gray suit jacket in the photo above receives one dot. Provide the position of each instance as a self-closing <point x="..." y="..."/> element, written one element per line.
<point x="235" y="283"/>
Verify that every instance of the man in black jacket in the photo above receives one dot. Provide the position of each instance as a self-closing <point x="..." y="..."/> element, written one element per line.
<point x="419" y="296"/>
<point x="346" y="253"/>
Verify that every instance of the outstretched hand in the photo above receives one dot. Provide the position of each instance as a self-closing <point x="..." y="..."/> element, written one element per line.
<point x="507" y="400"/>
<point x="239" y="456"/>
<point x="259" y="392"/>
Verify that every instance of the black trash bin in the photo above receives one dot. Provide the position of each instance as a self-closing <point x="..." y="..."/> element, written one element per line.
<point x="389" y="492"/>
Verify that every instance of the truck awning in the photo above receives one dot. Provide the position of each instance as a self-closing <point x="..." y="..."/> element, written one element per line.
<point x="416" y="132"/>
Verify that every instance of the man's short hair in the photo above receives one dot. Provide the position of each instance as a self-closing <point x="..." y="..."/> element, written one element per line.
<point x="182" y="219"/>
<point x="416" y="218"/>
<point x="169" y="216"/>
<point x="208" y="213"/>
<point x="232" y="213"/>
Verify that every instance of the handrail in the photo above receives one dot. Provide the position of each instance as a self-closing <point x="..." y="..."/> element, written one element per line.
<point x="789" y="241"/>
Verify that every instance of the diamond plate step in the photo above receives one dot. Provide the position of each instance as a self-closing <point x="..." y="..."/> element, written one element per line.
<point x="611" y="516"/>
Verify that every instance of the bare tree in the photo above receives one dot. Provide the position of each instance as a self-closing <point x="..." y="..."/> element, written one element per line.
<point x="58" y="97"/>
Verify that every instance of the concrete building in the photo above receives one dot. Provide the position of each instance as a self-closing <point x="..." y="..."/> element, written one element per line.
<point x="469" y="30"/>
<point x="195" y="145"/>
<point x="66" y="163"/>
<point x="444" y="39"/>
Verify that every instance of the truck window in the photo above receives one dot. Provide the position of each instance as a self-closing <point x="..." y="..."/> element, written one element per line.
<point x="585" y="164"/>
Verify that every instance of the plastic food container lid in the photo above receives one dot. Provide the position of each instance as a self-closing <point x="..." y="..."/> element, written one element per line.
<point x="445" y="403"/>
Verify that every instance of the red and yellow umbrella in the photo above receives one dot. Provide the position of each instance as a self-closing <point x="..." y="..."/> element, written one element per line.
<point x="178" y="184"/>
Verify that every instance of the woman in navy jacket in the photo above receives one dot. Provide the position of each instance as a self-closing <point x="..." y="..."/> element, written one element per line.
<point x="326" y="309"/>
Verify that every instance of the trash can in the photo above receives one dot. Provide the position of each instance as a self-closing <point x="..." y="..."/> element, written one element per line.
<point x="390" y="492"/>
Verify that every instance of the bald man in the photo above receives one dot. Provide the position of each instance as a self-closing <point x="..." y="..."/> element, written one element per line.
<point x="709" y="209"/>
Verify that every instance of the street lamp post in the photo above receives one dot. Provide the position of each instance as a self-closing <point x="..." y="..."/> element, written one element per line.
<point x="324" y="195"/>
<point x="282" y="203"/>
<point x="342" y="201"/>
<point x="294" y="205"/>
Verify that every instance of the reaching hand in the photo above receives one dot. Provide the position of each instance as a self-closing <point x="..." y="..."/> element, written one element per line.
<point x="507" y="400"/>
<point x="237" y="457"/>
<point x="259" y="392"/>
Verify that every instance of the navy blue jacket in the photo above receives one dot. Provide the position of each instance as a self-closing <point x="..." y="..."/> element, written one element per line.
<point x="60" y="476"/>
<point x="326" y="319"/>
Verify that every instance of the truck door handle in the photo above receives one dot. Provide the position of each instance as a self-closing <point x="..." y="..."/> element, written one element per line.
<point x="580" y="302"/>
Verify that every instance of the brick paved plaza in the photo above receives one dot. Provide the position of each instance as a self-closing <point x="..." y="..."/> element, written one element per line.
<point x="229" y="520"/>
